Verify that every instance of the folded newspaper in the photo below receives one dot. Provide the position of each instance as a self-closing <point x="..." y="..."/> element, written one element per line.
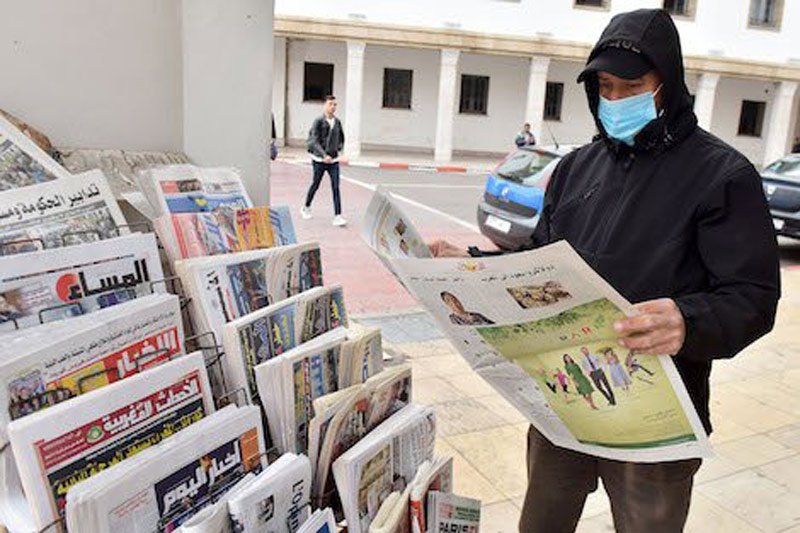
<point x="321" y="521"/>
<point x="189" y="189"/>
<point x="340" y="421"/>
<point x="216" y="518"/>
<point x="226" y="287"/>
<point x="278" y="499"/>
<point x="62" y="446"/>
<point x="49" y="285"/>
<point x="538" y="326"/>
<point x="450" y="512"/>
<point x="22" y="162"/>
<point x="436" y="474"/>
<point x="226" y="230"/>
<point x="58" y="213"/>
<point x="384" y="461"/>
<point x="273" y="330"/>
<point x="162" y="487"/>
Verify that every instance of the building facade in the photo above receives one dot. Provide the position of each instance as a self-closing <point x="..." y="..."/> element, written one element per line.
<point x="445" y="77"/>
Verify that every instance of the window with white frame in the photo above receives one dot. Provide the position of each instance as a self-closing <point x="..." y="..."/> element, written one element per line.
<point x="600" y="4"/>
<point x="474" y="95"/>
<point x="766" y="13"/>
<point x="397" y="88"/>
<point x="553" y="98"/>
<point x="317" y="81"/>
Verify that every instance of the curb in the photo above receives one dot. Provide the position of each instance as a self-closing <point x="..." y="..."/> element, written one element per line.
<point x="443" y="169"/>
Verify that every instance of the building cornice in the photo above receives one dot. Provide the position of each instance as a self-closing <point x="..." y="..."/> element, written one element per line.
<point x="506" y="45"/>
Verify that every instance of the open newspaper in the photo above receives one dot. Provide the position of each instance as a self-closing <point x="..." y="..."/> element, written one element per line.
<point x="49" y="285"/>
<point x="274" y="330"/>
<point x="189" y="189"/>
<point x="162" y="487"/>
<point x="58" y="213"/>
<point x="58" y="448"/>
<point x="538" y="326"/>
<point x="389" y="232"/>
<point x="384" y="461"/>
<point x="22" y="162"/>
<point x="226" y="287"/>
<point x="225" y="230"/>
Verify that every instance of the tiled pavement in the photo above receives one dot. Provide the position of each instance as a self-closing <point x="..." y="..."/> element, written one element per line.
<point x="751" y="485"/>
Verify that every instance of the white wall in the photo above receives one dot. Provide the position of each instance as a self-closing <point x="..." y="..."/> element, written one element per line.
<point x="227" y="89"/>
<point x="576" y="125"/>
<point x="413" y="128"/>
<point x="94" y="74"/>
<point x="301" y="114"/>
<point x="718" y="24"/>
<point x="727" y="110"/>
<point x="508" y="86"/>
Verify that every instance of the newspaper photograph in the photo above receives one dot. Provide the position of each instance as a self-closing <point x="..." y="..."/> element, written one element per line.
<point x="22" y="162"/>
<point x="389" y="232"/>
<point x="538" y="326"/>
<point x="190" y="189"/>
<point x="58" y="448"/>
<point x="58" y="213"/>
<point x="55" y="284"/>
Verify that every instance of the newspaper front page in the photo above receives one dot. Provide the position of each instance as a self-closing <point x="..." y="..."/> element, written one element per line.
<point x="58" y="213"/>
<point x="55" y="284"/>
<point x="538" y="327"/>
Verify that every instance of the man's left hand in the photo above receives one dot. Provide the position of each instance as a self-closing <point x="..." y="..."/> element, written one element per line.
<point x="658" y="329"/>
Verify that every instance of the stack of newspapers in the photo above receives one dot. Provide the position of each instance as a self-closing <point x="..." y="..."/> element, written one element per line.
<point x="110" y="422"/>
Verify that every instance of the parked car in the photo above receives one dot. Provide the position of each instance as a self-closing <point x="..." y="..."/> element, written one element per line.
<point x="512" y="201"/>
<point x="781" y="181"/>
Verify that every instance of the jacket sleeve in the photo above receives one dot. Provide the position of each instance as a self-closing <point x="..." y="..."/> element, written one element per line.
<point x="341" y="133"/>
<point x="314" y="143"/>
<point x="737" y="244"/>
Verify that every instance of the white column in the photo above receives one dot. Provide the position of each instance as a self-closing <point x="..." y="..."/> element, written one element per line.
<point x="279" y="87"/>
<point x="537" y="88"/>
<point x="447" y="105"/>
<point x="353" y="98"/>
<point x="781" y="123"/>
<point x="704" y="99"/>
<point x="227" y="87"/>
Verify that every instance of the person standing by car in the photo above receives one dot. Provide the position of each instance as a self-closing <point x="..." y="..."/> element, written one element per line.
<point x="796" y="146"/>
<point x="673" y="218"/>
<point x="325" y="141"/>
<point x="525" y="137"/>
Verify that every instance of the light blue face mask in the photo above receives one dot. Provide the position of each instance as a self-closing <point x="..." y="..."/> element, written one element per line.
<point x="624" y="118"/>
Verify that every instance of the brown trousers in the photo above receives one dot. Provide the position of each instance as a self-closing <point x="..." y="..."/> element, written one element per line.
<point x="645" y="498"/>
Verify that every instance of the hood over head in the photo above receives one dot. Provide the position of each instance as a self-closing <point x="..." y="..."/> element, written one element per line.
<point x="651" y="33"/>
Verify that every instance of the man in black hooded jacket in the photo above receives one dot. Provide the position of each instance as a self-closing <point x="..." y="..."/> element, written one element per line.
<point x="673" y="218"/>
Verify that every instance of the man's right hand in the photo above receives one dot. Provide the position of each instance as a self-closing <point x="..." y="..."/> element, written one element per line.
<point x="442" y="248"/>
<point x="328" y="159"/>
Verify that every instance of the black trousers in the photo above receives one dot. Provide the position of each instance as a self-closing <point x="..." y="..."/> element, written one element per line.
<point x="333" y="171"/>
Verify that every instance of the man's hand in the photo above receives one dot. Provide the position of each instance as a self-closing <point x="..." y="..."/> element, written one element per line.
<point x="442" y="248"/>
<point x="327" y="159"/>
<point x="658" y="329"/>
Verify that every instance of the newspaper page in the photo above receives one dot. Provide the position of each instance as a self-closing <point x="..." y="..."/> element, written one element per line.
<point x="58" y="448"/>
<point x="224" y="288"/>
<point x="274" y="330"/>
<point x="162" y="487"/>
<point x="189" y="189"/>
<point x="69" y="358"/>
<point x="277" y="500"/>
<point x="389" y="232"/>
<point x="282" y="225"/>
<point x="538" y="326"/>
<point x="22" y="162"/>
<point x="393" y="516"/>
<point x="215" y="518"/>
<point x="58" y="213"/>
<point x="55" y="284"/>
<point x="321" y="521"/>
<point x="436" y="474"/>
<point x="384" y="461"/>
<point x="449" y="512"/>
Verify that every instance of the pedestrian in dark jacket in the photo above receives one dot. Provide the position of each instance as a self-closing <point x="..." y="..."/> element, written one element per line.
<point x="325" y="141"/>
<point x="674" y="218"/>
